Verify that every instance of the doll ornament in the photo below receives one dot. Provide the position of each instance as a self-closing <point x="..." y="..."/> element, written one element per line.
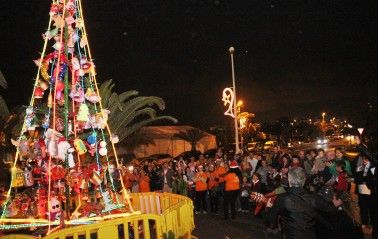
<point x="55" y="209"/>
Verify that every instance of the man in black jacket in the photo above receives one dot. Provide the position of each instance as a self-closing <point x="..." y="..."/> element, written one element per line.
<point x="372" y="184"/>
<point x="298" y="209"/>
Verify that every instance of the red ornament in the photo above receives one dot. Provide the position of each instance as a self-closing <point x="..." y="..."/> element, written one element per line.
<point x="58" y="172"/>
<point x="59" y="124"/>
<point x="59" y="86"/>
<point x="54" y="9"/>
<point x="38" y="93"/>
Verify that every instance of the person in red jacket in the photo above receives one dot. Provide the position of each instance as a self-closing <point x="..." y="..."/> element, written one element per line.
<point x="232" y="189"/>
<point x="341" y="184"/>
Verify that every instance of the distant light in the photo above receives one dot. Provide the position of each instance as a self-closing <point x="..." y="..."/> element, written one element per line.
<point x="360" y="130"/>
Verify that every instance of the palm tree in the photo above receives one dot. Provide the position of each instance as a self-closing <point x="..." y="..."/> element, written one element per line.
<point x="4" y="110"/>
<point x="130" y="112"/>
<point x="192" y="136"/>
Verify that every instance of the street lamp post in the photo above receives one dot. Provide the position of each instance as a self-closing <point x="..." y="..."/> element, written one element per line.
<point x="237" y="149"/>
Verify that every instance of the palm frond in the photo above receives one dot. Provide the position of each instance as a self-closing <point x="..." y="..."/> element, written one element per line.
<point x="135" y="104"/>
<point x="3" y="81"/>
<point x="4" y="110"/>
<point x="105" y="92"/>
<point x="128" y="111"/>
<point x="127" y="94"/>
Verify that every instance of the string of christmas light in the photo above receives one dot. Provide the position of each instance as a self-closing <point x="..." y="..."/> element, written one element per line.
<point x="125" y="193"/>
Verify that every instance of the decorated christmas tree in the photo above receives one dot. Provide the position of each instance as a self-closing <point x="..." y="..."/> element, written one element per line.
<point x="66" y="169"/>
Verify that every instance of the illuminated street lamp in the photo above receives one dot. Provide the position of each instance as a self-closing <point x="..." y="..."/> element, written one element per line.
<point x="237" y="149"/>
<point x="360" y="130"/>
<point x="323" y="115"/>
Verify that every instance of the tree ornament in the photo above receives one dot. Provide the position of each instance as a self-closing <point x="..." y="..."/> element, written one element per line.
<point x="24" y="147"/>
<point x="77" y="94"/>
<point x="50" y="101"/>
<point x="101" y="119"/>
<point x="92" y="138"/>
<point x="46" y="121"/>
<point x="30" y="116"/>
<point x="80" y="146"/>
<point x="57" y="172"/>
<point x="59" y="85"/>
<point x="44" y="69"/>
<point x="114" y="139"/>
<point x="52" y="148"/>
<point x="54" y="9"/>
<point x="17" y="177"/>
<point x="83" y="114"/>
<point x="103" y="150"/>
<point x="63" y="147"/>
<point x="43" y="84"/>
<point x="38" y="93"/>
<point x="109" y="205"/>
<point x="75" y="63"/>
<point x="12" y="209"/>
<point x="96" y="178"/>
<point x="55" y="209"/>
<point x="59" y="124"/>
<point x="70" y="157"/>
<point x="92" y="96"/>
<point x="28" y="177"/>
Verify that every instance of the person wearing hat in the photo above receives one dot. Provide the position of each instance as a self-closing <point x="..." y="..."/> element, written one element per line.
<point x="232" y="188"/>
<point x="200" y="180"/>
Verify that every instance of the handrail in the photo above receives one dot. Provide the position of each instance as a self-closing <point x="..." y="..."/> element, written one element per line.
<point x="160" y="213"/>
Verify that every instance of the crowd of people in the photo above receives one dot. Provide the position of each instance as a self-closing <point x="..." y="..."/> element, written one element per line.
<point x="314" y="194"/>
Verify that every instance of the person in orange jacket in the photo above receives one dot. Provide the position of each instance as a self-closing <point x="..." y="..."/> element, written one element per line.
<point x="144" y="182"/>
<point x="232" y="188"/>
<point x="128" y="177"/>
<point x="213" y="186"/>
<point x="200" y="179"/>
<point x="221" y="172"/>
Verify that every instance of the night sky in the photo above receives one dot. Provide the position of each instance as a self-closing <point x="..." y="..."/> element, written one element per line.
<point x="293" y="57"/>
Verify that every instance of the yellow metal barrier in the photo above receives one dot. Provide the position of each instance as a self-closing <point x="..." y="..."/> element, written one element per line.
<point x="160" y="213"/>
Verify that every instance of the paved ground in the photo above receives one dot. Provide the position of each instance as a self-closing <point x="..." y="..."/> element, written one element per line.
<point x="245" y="226"/>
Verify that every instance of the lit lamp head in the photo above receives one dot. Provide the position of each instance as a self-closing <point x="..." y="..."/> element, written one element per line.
<point x="231" y="49"/>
